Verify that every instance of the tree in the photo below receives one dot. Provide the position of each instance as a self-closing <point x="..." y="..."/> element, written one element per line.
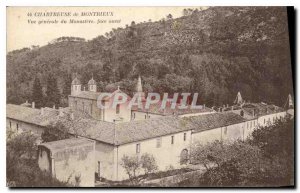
<point x="266" y="159"/>
<point x="148" y="163"/>
<point x="22" y="169"/>
<point x="37" y="93"/>
<point x="67" y="85"/>
<point x="53" y="93"/>
<point x="133" y="166"/>
<point x="55" y="132"/>
<point x="169" y="16"/>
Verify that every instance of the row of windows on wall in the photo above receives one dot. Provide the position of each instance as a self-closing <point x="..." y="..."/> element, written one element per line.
<point x="146" y="116"/>
<point x="159" y="142"/>
<point x="249" y="124"/>
<point x="274" y="118"/>
<point x="77" y="88"/>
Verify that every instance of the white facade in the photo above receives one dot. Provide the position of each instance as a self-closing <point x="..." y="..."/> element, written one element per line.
<point x="166" y="153"/>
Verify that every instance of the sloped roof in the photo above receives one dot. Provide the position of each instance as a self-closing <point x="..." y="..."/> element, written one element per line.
<point x="92" y="81"/>
<point x="59" y="145"/>
<point x="212" y="121"/>
<point x="76" y="81"/>
<point x="128" y="132"/>
<point x="30" y="115"/>
<point x="261" y="108"/>
<point x="125" y="132"/>
<point x="90" y="128"/>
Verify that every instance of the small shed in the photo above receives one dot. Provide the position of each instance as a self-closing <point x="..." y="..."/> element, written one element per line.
<point x="69" y="160"/>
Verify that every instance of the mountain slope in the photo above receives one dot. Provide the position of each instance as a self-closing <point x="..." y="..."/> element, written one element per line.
<point x="215" y="52"/>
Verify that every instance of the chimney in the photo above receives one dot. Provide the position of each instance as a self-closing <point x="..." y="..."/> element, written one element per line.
<point x="33" y="105"/>
<point x="42" y="111"/>
<point x="227" y="105"/>
<point x="219" y="109"/>
<point x="53" y="106"/>
<point x="72" y="116"/>
<point x="60" y="112"/>
<point x="84" y="88"/>
<point x="232" y="108"/>
<point x="203" y="106"/>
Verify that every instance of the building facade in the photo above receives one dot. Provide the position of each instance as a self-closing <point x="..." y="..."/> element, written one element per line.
<point x="110" y="134"/>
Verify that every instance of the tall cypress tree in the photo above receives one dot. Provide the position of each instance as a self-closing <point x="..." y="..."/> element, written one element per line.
<point x="53" y="94"/>
<point x="37" y="93"/>
<point x="67" y="86"/>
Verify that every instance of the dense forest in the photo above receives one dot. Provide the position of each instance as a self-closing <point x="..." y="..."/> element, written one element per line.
<point x="215" y="52"/>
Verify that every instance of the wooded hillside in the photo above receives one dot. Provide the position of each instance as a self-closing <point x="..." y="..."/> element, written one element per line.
<point x="215" y="52"/>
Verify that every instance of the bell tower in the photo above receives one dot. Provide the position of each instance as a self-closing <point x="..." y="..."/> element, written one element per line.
<point x="139" y="89"/>
<point x="75" y="86"/>
<point x="92" y="85"/>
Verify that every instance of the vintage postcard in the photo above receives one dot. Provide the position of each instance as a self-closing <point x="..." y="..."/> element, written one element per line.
<point x="149" y="97"/>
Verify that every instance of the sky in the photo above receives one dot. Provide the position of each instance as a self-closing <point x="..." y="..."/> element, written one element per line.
<point x="21" y="33"/>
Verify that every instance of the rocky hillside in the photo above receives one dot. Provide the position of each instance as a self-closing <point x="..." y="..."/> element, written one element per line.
<point x="215" y="52"/>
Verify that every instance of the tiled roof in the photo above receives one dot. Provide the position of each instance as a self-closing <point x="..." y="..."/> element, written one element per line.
<point x="147" y="129"/>
<point x="261" y="109"/>
<point x="76" y="81"/>
<point x="55" y="146"/>
<point x="90" y="128"/>
<point x="156" y="109"/>
<point x="125" y="132"/>
<point x="92" y="81"/>
<point x="30" y="115"/>
<point x="212" y="121"/>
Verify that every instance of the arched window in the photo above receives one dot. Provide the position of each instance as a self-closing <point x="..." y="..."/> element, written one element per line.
<point x="184" y="157"/>
<point x="242" y="113"/>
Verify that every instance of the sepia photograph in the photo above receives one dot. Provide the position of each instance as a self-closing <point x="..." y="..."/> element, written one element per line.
<point x="181" y="97"/>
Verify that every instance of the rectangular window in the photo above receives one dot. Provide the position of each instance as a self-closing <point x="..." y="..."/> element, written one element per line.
<point x="118" y="109"/>
<point x="251" y="124"/>
<point x="172" y="139"/>
<point x="138" y="148"/>
<point x="99" y="165"/>
<point x="17" y="126"/>
<point x="184" y="137"/>
<point x="225" y="130"/>
<point x="158" y="142"/>
<point x="9" y="124"/>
